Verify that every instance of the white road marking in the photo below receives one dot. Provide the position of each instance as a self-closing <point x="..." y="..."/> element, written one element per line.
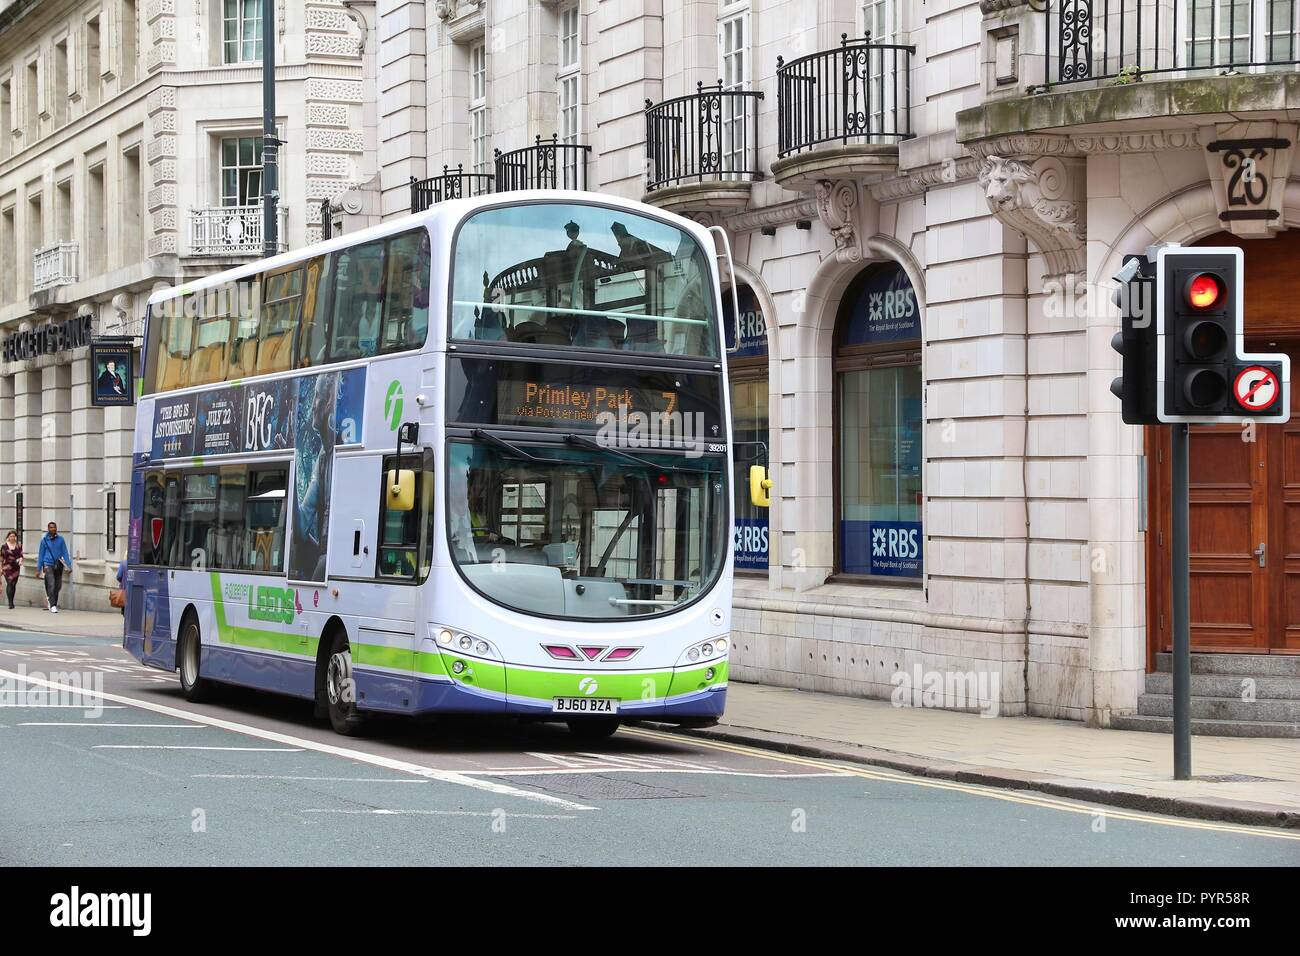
<point x="285" y="776"/>
<point x="100" y="723"/>
<point x="276" y="750"/>
<point x="65" y="706"/>
<point x="380" y="812"/>
<point x="388" y="763"/>
<point x="548" y="771"/>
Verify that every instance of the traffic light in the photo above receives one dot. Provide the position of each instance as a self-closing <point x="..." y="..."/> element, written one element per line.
<point x="1136" y="341"/>
<point x="1203" y="372"/>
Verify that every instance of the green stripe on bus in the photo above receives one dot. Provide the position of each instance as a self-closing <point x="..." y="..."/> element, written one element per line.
<point x="228" y="633"/>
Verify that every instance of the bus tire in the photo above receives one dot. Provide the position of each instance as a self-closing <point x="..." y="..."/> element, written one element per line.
<point x="189" y="660"/>
<point x="340" y="689"/>
<point x="593" y="728"/>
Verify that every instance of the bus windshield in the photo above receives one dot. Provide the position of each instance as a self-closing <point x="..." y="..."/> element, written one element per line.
<point x="585" y="533"/>
<point x="564" y="274"/>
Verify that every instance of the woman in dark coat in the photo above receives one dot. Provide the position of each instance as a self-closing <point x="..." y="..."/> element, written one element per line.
<point x="11" y="564"/>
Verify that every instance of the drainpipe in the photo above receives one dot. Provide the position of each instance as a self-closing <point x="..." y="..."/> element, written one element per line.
<point x="1024" y="487"/>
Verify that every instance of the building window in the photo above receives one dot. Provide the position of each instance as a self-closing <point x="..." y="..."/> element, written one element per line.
<point x="478" y="128"/>
<point x="241" y="170"/>
<point x="568" y="86"/>
<point x="878" y="440"/>
<point x="880" y="22"/>
<point x="733" y="63"/>
<point x="242" y="31"/>
<point x="747" y="369"/>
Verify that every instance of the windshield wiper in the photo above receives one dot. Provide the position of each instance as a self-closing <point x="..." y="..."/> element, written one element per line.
<point x="513" y="449"/>
<point x="585" y="441"/>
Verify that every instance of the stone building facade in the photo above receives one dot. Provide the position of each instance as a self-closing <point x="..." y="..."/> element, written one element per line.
<point x="925" y="224"/>
<point x="130" y="138"/>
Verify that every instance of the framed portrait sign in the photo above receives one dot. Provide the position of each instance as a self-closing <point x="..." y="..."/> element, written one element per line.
<point x="111" y="372"/>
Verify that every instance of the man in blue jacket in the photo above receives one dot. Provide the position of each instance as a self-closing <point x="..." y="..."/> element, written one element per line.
<point x="51" y="562"/>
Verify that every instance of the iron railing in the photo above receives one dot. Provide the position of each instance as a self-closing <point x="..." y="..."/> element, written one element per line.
<point x="232" y="230"/>
<point x="549" y="164"/>
<point x="326" y="219"/>
<point x="858" y="93"/>
<point x="450" y="185"/>
<point x="1123" y="40"/>
<point x="711" y="134"/>
<point x="54" y="265"/>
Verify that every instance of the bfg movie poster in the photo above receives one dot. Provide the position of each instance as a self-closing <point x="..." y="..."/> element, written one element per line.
<point x="313" y="465"/>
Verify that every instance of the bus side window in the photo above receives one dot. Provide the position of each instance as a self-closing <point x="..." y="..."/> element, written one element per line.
<point x="211" y="338"/>
<point x="281" y="302"/>
<point x="406" y="300"/>
<point x="264" y="520"/>
<point x="315" y="312"/>
<point x="240" y="302"/>
<point x="174" y="351"/>
<point x="357" y="313"/>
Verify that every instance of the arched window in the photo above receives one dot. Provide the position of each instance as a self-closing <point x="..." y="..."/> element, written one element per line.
<point x="878" y="427"/>
<point x="747" y="368"/>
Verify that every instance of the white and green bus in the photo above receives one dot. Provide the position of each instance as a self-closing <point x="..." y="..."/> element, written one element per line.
<point x="476" y="460"/>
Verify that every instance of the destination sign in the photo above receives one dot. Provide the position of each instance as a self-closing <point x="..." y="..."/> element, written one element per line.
<point x="677" y="405"/>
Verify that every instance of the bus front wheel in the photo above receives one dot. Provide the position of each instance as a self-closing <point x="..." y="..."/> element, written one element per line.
<point x="340" y="690"/>
<point x="593" y="728"/>
<point x="189" y="656"/>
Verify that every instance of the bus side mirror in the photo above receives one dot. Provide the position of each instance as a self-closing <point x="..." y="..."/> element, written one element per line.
<point x="400" y="483"/>
<point x="759" y="487"/>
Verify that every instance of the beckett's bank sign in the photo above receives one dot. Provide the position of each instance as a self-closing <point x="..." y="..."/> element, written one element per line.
<point x="48" y="339"/>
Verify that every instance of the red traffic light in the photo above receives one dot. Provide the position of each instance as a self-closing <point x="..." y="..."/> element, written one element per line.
<point x="1204" y="291"/>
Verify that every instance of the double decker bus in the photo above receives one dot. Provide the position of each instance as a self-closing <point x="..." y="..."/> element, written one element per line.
<point x="476" y="460"/>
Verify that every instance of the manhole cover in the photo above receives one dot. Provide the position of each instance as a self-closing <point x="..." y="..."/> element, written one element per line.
<point x="594" y="786"/>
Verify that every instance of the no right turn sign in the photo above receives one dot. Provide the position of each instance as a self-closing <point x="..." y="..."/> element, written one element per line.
<point x="1256" y="388"/>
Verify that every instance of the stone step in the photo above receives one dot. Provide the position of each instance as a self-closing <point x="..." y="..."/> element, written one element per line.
<point x="1221" y="685"/>
<point x="1210" y="728"/>
<point x="1223" y="708"/>
<point x="1249" y="665"/>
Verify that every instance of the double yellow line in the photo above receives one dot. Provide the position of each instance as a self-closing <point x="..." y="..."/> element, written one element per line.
<point x="1011" y="796"/>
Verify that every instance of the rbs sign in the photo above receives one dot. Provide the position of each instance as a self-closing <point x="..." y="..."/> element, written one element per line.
<point x="751" y="544"/>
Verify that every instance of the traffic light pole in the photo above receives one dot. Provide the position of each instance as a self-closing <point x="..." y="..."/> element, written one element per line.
<point x="1181" y="569"/>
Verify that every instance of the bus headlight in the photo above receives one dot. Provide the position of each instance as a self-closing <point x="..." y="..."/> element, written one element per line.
<point x="720" y="645"/>
<point x="481" y="647"/>
<point x="466" y="642"/>
<point x="693" y="653"/>
<point x="458" y="667"/>
<point x="444" y="636"/>
<point x="706" y="650"/>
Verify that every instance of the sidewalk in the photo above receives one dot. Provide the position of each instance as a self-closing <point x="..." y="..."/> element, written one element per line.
<point x="1237" y="779"/>
<point x="67" y="622"/>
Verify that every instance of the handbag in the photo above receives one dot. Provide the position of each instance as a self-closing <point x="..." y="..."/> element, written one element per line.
<point x="117" y="597"/>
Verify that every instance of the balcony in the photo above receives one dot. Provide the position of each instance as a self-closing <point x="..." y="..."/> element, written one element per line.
<point x="1123" y="41"/>
<point x="549" y="164"/>
<point x="54" y="266"/>
<point x="450" y="185"/>
<point x="232" y="231"/>
<point x="841" y="113"/>
<point x="702" y="150"/>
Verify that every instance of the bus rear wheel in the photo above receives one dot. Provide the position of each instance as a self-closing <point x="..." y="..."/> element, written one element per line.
<point x="340" y="690"/>
<point x="189" y="657"/>
<point x="593" y="728"/>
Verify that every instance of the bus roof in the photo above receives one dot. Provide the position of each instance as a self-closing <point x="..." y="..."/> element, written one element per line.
<point x="451" y="210"/>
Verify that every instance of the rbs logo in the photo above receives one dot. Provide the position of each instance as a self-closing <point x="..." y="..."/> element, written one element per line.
<point x="895" y="543"/>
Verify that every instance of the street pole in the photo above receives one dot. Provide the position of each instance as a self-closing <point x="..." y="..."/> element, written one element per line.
<point x="270" y="142"/>
<point x="1180" y="571"/>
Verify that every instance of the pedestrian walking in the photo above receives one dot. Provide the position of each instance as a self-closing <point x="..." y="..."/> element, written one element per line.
<point x="11" y="564"/>
<point x="52" y="560"/>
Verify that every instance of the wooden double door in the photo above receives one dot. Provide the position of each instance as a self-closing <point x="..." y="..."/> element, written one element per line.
<point x="1244" y="532"/>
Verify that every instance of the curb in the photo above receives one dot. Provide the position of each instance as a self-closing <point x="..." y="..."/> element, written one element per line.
<point x="91" y="630"/>
<point x="1201" y="808"/>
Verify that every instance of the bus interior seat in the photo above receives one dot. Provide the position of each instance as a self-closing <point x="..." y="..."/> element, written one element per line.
<point x="243" y="359"/>
<point x="207" y="364"/>
<point x="595" y="333"/>
<point x="528" y="587"/>
<point x="274" y="353"/>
